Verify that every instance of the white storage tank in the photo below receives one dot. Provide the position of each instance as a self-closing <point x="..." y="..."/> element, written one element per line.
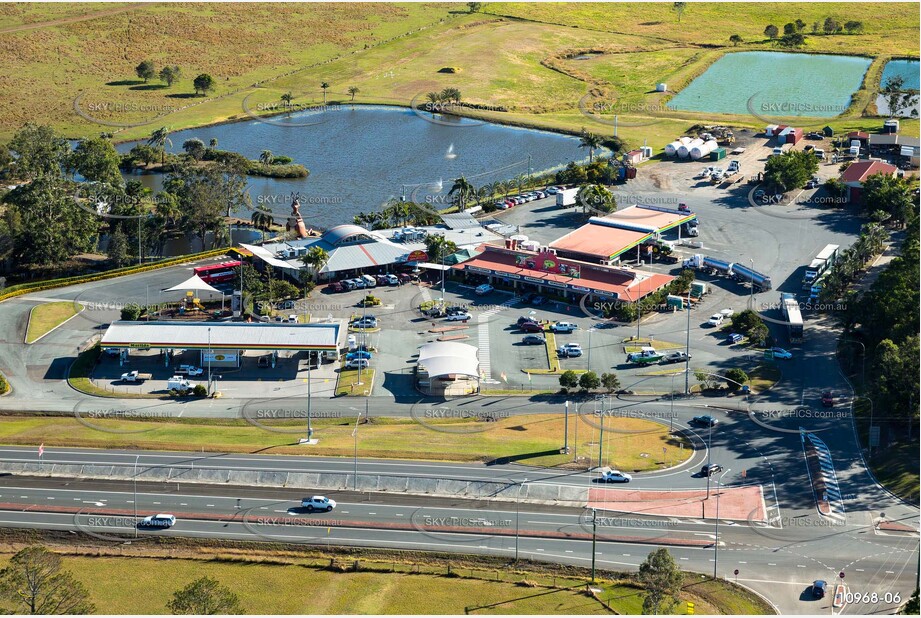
<point x="672" y="149"/>
<point x="686" y="149"/>
<point x="702" y="151"/>
<point x="685" y="140"/>
<point x="661" y="88"/>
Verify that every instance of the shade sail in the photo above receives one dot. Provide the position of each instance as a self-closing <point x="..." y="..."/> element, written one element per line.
<point x="193" y="283"/>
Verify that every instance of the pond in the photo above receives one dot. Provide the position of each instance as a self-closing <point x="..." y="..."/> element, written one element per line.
<point x="361" y="156"/>
<point x="908" y="70"/>
<point x="775" y="85"/>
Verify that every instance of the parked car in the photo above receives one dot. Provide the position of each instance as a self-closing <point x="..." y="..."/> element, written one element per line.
<point x="818" y="589"/>
<point x="706" y="172"/>
<point x="358" y="354"/>
<point x="335" y="287"/>
<point x="404" y="277"/>
<point x="828" y="399"/>
<point x="318" y="503"/>
<point x="726" y="313"/>
<point x="604" y="325"/>
<point x="715" y="320"/>
<point x="367" y="322"/>
<point x="162" y="520"/>
<point x="552" y="190"/>
<point x="531" y="327"/>
<point x="815" y="135"/>
<point x="615" y="476"/>
<point x="538" y="300"/>
<point x="781" y="353"/>
<point x="381" y="279"/>
<point x="501" y="205"/>
<point x="570" y="350"/>
<point x="533" y="340"/>
<point x="710" y="469"/>
<point x="540" y="195"/>
<point x="706" y="421"/>
<point x="674" y="357"/>
<point x="359" y="283"/>
<point x="112" y="351"/>
<point x="482" y="290"/>
<point x="358" y="363"/>
<point x="563" y="327"/>
<point x="457" y="317"/>
<point x="522" y="319"/>
<point x="191" y="370"/>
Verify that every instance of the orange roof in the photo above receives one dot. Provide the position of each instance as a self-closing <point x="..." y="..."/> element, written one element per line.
<point x="658" y="219"/>
<point x="625" y="284"/>
<point x="860" y="171"/>
<point x="599" y="240"/>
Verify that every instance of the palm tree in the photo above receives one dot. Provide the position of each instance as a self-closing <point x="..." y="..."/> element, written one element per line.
<point x="590" y="141"/>
<point x="159" y="139"/>
<point x="324" y="86"/>
<point x="315" y="259"/>
<point x="463" y="188"/>
<point x="212" y="143"/>
<point x="266" y="157"/>
<point x="353" y="90"/>
<point x="286" y="99"/>
<point x="262" y="220"/>
<point x="520" y="179"/>
<point x="433" y="98"/>
<point x="876" y="236"/>
<point x="482" y="193"/>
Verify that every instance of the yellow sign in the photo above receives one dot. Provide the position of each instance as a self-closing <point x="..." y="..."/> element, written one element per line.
<point x="690" y="608"/>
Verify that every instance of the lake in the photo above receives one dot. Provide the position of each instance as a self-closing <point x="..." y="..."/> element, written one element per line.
<point x="908" y="70"/>
<point x="360" y="157"/>
<point x="774" y="85"/>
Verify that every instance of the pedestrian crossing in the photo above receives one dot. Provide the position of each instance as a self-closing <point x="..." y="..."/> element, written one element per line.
<point x="832" y="490"/>
<point x="483" y="338"/>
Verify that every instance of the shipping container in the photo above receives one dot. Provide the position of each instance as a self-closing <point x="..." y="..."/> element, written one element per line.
<point x="719" y="153"/>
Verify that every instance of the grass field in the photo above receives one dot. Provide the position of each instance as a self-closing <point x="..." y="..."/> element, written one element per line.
<point x="347" y="382"/>
<point x="896" y="467"/>
<point x="516" y="56"/>
<point x="46" y="317"/>
<point x="532" y="439"/>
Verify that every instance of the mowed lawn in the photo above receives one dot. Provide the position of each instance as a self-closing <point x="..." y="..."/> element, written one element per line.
<point x="48" y="316"/>
<point x="144" y="585"/>
<point x="631" y="444"/>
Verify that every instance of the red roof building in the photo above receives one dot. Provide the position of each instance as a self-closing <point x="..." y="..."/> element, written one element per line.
<point x="856" y="173"/>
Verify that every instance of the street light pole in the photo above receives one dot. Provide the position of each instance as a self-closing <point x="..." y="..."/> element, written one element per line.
<point x="309" y="427"/>
<point x="517" y="515"/>
<point x="601" y="436"/>
<point x="136" y="496"/>
<point x="752" y="295"/>
<point x="687" y="361"/>
<point x="210" y="354"/>
<point x="590" y="331"/>
<point x="716" y="543"/>
<point x="594" y="536"/>
<point x="566" y="429"/>
<point x="709" y="452"/>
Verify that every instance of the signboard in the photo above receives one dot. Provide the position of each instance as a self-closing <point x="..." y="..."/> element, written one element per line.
<point x="218" y="357"/>
<point x="138" y="345"/>
<point x="556" y="284"/>
<point x="533" y="280"/>
<point x="418" y="256"/>
<point x="477" y="269"/>
<point x="579" y="289"/>
<point x="513" y="276"/>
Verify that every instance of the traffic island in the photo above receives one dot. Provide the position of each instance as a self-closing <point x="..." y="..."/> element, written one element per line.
<point x="736" y="503"/>
<point x="347" y="383"/>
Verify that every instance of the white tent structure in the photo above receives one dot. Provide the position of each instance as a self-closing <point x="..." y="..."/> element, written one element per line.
<point x="447" y="360"/>
<point x="193" y="283"/>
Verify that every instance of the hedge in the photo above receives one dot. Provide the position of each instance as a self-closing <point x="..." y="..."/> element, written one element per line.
<point x="38" y="286"/>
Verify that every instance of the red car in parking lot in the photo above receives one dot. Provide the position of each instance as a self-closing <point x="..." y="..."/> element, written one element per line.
<point x="335" y="286"/>
<point x="531" y="327"/>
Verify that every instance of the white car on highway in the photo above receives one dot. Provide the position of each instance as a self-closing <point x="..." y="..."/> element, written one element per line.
<point x="318" y="503"/>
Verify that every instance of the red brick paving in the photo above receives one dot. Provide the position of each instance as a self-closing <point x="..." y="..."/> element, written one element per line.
<point x="735" y="502"/>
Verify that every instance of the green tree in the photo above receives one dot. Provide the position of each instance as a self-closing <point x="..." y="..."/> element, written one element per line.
<point x="36" y="583"/>
<point x="735" y="378"/>
<point x="596" y="198"/>
<point x="474" y="7"/>
<point x="463" y="190"/>
<point x="96" y="160"/>
<point x="590" y="140"/>
<point x="898" y="98"/>
<point x="117" y="249"/>
<point x="800" y="25"/>
<point x="771" y="31"/>
<point x="679" y="8"/>
<point x="146" y="70"/>
<point x="438" y="247"/>
<point x="735" y="39"/>
<point x="853" y="27"/>
<point x="315" y="259"/>
<point x="661" y="577"/>
<point x="830" y="26"/>
<point x="789" y="28"/>
<point x="589" y="381"/>
<point x="159" y="139"/>
<point x="912" y="606"/>
<point x="569" y="379"/>
<point x="170" y="74"/>
<point x="38" y="152"/>
<point x="194" y="147"/>
<point x="205" y="596"/>
<point x="207" y="195"/>
<point x="266" y="157"/>
<point x="794" y="40"/>
<point x="893" y="195"/>
<point x="46" y="224"/>
<point x="610" y="382"/>
<point x="791" y="170"/>
<point x="325" y="87"/>
<point x="204" y="83"/>
<point x="262" y="220"/>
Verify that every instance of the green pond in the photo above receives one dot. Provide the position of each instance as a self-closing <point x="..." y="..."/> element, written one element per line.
<point x="774" y="85"/>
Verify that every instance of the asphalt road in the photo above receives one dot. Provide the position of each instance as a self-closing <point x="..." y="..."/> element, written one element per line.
<point x="778" y="563"/>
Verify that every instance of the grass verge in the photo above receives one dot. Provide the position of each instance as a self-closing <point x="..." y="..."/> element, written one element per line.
<point x="347" y="382"/>
<point x="896" y="468"/>
<point x="763" y="377"/>
<point x="531" y="439"/>
<point x="46" y="317"/>
<point x="632" y="344"/>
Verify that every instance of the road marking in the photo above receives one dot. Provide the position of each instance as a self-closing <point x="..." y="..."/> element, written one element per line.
<point x="568" y="551"/>
<point x="370" y="513"/>
<point x="682" y="558"/>
<point x="772" y="564"/>
<point x="740" y="562"/>
<point x="51" y="497"/>
<point x="399" y="514"/>
<point x="156" y="503"/>
<point x="209" y="505"/>
<point x="801" y="566"/>
<point x="183" y="504"/>
<point x="859" y="570"/>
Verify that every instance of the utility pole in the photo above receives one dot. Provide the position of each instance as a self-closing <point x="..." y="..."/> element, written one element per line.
<point x="709" y="451"/>
<point x="136" y="496"/>
<point x="687" y="361"/>
<point x="601" y="436"/>
<point x="716" y="543"/>
<point x="566" y="429"/>
<point x="594" y="536"/>
<point x="309" y="427"/>
<point x="517" y="515"/>
<point x="210" y="354"/>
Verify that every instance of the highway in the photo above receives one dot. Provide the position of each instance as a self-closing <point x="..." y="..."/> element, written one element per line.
<point x="779" y="563"/>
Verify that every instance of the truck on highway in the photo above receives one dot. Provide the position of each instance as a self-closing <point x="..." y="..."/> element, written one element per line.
<point x="567" y="197"/>
<point x="135" y="376"/>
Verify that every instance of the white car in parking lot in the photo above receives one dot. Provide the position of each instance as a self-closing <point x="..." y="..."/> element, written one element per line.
<point x="716" y="319"/>
<point x="570" y="350"/>
<point x="458" y="317"/>
<point x="563" y="327"/>
<point x="358" y="363"/>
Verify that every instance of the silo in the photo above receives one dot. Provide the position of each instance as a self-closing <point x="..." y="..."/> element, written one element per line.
<point x="672" y="149"/>
<point x="685" y="149"/>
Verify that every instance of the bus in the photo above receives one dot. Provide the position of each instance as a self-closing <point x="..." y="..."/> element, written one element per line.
<point x="820" y="265"/>
<point x="224" y="272"/>
<point x="792" y="315"/>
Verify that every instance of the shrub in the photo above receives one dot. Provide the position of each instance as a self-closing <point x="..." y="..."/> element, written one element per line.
<point x="200" y="390"/>
<point x="4" y="385"/>
<point x="569" y="379"/>
<point x="589" y="380"/>
<point x="736" y="375"/>
<point x="131" y="312"/>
